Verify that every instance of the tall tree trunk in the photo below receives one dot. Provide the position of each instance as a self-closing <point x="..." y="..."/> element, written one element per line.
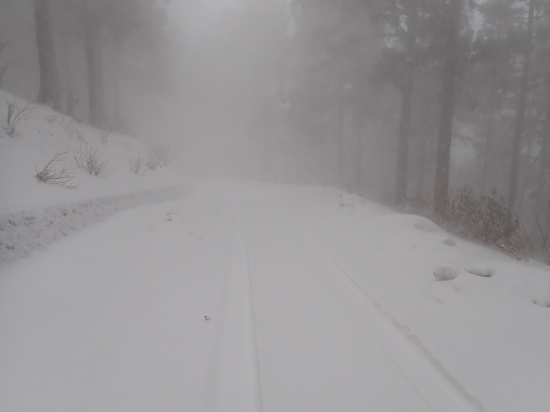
<point x="49" y="80"/>
<point x="488" y="138"/>
<point x="520" y="117"/>
<point x="358" y="129"/>
<point x="94" y="69"/>
<point x="544" y="164"/>
<point x="445" y="134"/>
<point x="406" y="107"/>
<point x="427" y="134"/>
<point x="340" y="133"/>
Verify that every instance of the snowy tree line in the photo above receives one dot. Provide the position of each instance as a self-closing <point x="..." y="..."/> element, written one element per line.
<point x="410" y="99"/>
<point x="82" y="57"/>
<point x="425" y="104"/>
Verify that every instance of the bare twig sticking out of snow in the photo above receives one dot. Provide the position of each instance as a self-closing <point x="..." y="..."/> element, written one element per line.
<point x="138" y="163"/>
<point x="88" y="160"/>
<point x="16" y="110"/>
<point x="50" y="174"/>
<point x="105" y="135"/>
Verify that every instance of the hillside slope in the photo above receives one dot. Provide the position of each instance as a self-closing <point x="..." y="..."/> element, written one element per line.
<point x="39" y="134"/>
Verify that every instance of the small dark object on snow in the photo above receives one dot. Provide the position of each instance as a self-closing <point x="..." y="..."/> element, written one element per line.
<point x="207" y="318"/>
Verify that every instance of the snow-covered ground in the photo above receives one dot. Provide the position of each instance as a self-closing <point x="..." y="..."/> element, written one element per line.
<point x="317" y="302"/>
<point x="41" y="134"/>
<point x="33" y="214"/>
<point x="226" y="296"/>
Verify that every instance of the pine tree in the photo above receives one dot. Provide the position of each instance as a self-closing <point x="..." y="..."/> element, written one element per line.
<point x="448" y="99"/>
<point x="49" y="80"/>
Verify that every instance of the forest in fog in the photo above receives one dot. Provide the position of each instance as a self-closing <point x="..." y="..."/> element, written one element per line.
<point x="439" y="105"/>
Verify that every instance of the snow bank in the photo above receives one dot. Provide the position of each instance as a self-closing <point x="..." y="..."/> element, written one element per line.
<point x="35" y="214"/>
<point x="24" y="232"/>
<point x="446" y="273"/>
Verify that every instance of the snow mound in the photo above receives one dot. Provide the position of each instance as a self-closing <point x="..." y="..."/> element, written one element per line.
<point x="445" y="273"/>
<point x="426" y="225"/>
<point x="480" y="270"/>
<point x="449" y="241"/>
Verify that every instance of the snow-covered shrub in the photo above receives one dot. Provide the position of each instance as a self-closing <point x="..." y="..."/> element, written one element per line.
<point x="158" y="155"/>
<point x="138" y="163"/>
<point x="50" y="173"/>
<point x="89" y="161"/>
<point x="484" y="218"/>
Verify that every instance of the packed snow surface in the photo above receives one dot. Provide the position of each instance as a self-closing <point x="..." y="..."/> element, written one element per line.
<point x="317" y="302"/>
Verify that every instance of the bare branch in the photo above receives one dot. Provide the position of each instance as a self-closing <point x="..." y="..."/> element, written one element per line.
<point x="16" y="110"/>
<point x="50" y="174"/>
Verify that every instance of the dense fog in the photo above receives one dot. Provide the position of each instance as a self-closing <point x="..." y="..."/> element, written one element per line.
<point x="412" y="103"/>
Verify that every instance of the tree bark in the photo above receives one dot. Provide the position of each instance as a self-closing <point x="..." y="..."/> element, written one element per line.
<point x="94" y="68"/>
<point x="544" y="162"/>
<point x="406" y="107"/>
<point x="427" y="135"/>
<point x="520" y="117"/>
<point x="358" y="129"/>
<point x="445" y="133"/>
<point x="488" y="139"/>
<point x="340" y="132"/>
<point x="49" y="81"/>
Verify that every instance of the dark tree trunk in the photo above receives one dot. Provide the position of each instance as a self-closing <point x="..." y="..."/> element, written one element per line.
<point x="427" y="135"/>
<point x="340" y="134"/>
<point x="94" y="69"/>
<point x="49" y="82"/>
<point x="488" y="139"/>
<point x="520" y="117"/>
<point x="358" y="129"/>
<point x="445" y="134"/>
<point x="544" y="160"/>
<point x="406" y="108"/>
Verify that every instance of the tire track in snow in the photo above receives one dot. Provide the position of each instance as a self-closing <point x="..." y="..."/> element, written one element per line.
<point x="314" y="368"/>
<point x="254" y="317"/>
<point x="411" y="355"/>
<point x="234" y="384"/>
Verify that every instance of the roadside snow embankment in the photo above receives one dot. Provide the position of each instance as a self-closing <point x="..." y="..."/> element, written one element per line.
<point x="104" y="172"/>
<point x="25" y="232"/>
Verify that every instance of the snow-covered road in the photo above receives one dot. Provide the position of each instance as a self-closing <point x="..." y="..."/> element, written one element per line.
<point x="112" y="318"/>
<point x="322" y="346"/>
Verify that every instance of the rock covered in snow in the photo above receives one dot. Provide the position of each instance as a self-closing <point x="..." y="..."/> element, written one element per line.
<point x="445" y="273"/>
<point x="449" y="241"/>
<point x="480" y="270"/>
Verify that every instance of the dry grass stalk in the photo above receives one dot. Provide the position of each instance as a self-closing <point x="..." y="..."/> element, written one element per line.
<point x="88" y="160"/>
